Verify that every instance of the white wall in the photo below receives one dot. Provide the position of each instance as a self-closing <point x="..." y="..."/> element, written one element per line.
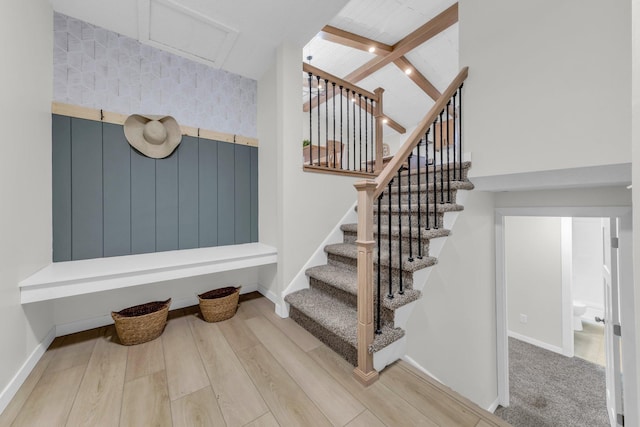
<point x="635" y="145"/>
<point x="548" y="84"/>
<point x="302" y="208"/>
<point x="452" y="329"/>
<point x="25" y="175"/>
<point x="578" y="197"/>
<point x="587" y="254"/>
<point x="533" y="266"/>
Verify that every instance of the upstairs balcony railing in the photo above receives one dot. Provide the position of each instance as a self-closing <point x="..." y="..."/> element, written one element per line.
<point x="343" y="127"/>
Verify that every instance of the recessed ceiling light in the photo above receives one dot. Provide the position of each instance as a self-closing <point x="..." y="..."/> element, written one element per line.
<point x="372" y="49"/>
<point x="353" y="100"/>
<point x="385" y="121"/>
<point x="629" y="187"/>
<point x="407" y="71"/>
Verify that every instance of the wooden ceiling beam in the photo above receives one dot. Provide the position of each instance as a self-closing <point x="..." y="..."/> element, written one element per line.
<point x="417" y="77"/>
<point x="388" y="121"/>
<point x="345" y="38"/>
<point x="427" y="31"/>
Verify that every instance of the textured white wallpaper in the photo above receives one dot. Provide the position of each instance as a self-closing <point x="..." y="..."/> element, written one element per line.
<point x="97" y="68"/>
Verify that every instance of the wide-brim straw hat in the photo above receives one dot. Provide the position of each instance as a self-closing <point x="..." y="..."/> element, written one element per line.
<point x="153" y="136"/>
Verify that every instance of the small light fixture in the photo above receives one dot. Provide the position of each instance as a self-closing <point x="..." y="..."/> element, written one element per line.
<point x="353" y="100"/>
<point x="385" y="121"/>
<point x="629" y="187"/>
<point x="372" y="49"/>
<point x="407" y="71"/>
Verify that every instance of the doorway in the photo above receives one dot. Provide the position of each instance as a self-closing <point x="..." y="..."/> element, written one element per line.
<point x="622" y="219"/>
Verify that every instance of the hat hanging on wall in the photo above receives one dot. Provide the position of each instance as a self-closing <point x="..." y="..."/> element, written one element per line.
<point x="153" y="136"/>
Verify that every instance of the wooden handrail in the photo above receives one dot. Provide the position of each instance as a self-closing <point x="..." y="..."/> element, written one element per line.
<point x="308" y="68"/>
<point x="391" y="169"/>
<point x="368" y="191"/>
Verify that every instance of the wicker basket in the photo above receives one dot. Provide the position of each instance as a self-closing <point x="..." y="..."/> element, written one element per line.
<point x="219" y="304"/>
<point x="141" y="323"/>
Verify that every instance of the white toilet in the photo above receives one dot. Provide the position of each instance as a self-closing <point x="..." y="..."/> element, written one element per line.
<point x="579" y="309"/>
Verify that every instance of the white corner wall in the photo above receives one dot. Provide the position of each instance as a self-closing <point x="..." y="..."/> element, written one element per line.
<point x="533" y="267"/>
<point x="452" y="329"/>
<point x="635" y="147"/>
<point x="548" y="85"/>
<point x="297" y="209"/>
<point x="26" y="27"/>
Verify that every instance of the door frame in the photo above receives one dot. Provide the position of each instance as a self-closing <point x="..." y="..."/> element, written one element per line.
<point x="623" y="213"/>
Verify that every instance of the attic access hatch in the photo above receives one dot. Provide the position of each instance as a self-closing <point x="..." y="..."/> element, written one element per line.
<point x="185" y="32"/>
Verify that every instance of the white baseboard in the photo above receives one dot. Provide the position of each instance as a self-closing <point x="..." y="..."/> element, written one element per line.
<point x="281" y="309"/>
<point x="97" y="322"/>
<point x="536" y="342"/>
<point x="492" y="408"/>
<point x="419" y="367"/>
<point x="19" y="378"/>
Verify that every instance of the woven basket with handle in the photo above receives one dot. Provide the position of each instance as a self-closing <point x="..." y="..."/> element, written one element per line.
<point x="219" y="304"/>
<point x="141" y="323"/>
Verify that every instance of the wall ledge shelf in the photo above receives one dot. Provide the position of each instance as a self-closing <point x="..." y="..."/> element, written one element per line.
<point x="65" y="279"/>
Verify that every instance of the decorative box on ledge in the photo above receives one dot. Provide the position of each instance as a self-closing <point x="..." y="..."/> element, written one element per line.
<point x="64" y="279"/>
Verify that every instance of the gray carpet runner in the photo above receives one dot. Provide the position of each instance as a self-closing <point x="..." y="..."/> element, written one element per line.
<point x="327" y="308"/>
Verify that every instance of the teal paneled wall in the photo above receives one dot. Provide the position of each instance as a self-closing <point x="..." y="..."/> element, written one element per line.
<point x="109" y="200"/>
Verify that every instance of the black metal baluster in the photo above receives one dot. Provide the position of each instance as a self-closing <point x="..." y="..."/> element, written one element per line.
<point x="366" y="134"/>
<point x="353" y="101"/>
<point x="420" y="200"/>
<point x="390" y="295"/>
<point x="373" y="149"/>
<point x="310" y="120"/>
<point x="399" y="229"/>
<point x="333" y="86"/>
<point x="410" y="212"/>
<point x="326" y="122"/>
<point x="341" y="140"/>
<point x="349" y="152"/>
<point x="360" y="128"/>
<point x="378" y="329"/>
<point x="435" y="179"/>
<point x="448" y="161"/>
<point x="318" y="88"/>
<point x="460" y="125"/>
<point x="455" y="139"/>
<point x="426" y="173"/>
<point x="441" y="163"/>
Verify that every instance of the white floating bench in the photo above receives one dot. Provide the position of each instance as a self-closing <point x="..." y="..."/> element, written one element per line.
<point x="64" y="279"/>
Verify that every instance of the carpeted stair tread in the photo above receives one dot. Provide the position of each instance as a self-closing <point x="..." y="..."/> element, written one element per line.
<point x="440" y="207"/>
<point x="455" y="185"/>
<point x="432" y="233"/>
<point x="347" y="281"/>
<point x="338" y="317"/>
<point x="349" y="250"/>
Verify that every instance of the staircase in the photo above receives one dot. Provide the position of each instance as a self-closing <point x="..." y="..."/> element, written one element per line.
<point x="328" y="308"/>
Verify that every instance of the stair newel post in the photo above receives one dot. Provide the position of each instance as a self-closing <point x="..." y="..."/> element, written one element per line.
<point x="364" y="372"/>
<point x="379" y="116"/>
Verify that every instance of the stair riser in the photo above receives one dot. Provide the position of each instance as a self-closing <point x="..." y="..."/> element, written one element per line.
<point x="438" y="177"/>
<point x="337" y="344"/>
<point x="351" y="238"/>
<point x="349" y="263"/>
<point x="395" y="220"/>
<point x="404" y="198"/>
<point x="387" y="315"/>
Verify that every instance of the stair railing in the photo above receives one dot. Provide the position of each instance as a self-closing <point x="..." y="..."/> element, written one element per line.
<point x="441" y="128"/>
<point x="345" y="126"/>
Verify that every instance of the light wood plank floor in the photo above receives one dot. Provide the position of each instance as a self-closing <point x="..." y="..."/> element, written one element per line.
<point x="255" y="369"/>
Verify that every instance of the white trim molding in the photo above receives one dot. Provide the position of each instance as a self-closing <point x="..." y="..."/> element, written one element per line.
<point x="20" y="377"/>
